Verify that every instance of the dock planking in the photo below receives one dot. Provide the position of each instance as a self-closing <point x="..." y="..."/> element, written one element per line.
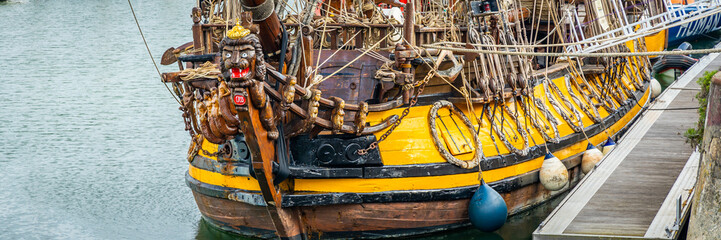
<point x="629" y="200"/>
<point x="633" y="193"/>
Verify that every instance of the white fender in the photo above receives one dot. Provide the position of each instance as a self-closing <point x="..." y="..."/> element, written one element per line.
<point x="610" y="144"/>
<point x="655" y="88"/>
<point x="553" y="174"/>
<point x="590" y="158"/>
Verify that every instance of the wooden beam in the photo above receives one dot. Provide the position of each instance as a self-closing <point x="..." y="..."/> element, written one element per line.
<point x="262" y="149"/>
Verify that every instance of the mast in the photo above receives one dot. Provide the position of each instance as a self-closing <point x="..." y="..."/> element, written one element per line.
<point x="267" y="20"/>
<point x="409" y="23"/>
<point x="404" y="55"/>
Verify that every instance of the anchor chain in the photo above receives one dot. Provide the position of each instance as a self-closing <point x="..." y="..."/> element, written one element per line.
<point x="393" y="126"/>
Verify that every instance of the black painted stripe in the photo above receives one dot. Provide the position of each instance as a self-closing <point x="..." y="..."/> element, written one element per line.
<point x="435" y="169"/>
<point x="490" y="163"/>
<point x="502" y="186"/>
<point x="315" y="199"/>
<point x="236" y="168"/>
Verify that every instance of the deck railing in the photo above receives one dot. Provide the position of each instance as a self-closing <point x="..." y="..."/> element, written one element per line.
<point x="648" y="24"/>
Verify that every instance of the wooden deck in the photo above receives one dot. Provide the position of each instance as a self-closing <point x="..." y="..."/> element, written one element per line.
<point x="634" y="192"/>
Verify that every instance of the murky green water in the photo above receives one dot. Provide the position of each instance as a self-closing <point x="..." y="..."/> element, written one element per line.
<point x="91" y="144"/>
<point x="705" y="41"/>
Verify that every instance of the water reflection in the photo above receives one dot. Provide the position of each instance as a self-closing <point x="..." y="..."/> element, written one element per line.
<point x="518" y="227"/>
<point x="206" y="231"/>
<point x="91" y="144"/>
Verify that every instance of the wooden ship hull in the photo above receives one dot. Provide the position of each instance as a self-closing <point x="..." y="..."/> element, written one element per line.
<point x="416" y="192"/>
<point x="694" y="29"/>
<point x="350" y="138"/>
<point x="415" y="195"/>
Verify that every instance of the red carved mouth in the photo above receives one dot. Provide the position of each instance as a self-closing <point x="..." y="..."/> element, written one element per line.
<point x="237" y="73"/>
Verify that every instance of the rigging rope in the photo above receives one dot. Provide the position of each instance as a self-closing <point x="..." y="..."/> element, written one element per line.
<point x="151" y="55"/>
<point x="566" y="54"/>
<point x="648" y="32"/>
<point x="349" y="63"/>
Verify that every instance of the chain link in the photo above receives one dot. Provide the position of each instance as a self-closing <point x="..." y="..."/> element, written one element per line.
<point x="395" y="124"/>
<point x="211" y="154"/>
<point x="196" y="147"/>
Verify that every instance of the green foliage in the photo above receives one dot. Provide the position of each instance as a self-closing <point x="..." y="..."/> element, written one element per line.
<point x="694" y="136"/>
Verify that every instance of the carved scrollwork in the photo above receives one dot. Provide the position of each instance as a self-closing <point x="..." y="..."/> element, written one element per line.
<point x="227" y="109"/>
<point x="338" y="115"/>
<point x="289" y="91"/>
<point x="360" y="117"/>
<point x="205" y="128"/>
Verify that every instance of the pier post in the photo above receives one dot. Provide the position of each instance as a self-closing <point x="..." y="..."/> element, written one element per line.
<point x="705" y="219"/>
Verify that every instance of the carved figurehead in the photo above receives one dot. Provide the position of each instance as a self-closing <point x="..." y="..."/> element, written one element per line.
<point x="241" y="57"/>
<point x="243" y="66"/>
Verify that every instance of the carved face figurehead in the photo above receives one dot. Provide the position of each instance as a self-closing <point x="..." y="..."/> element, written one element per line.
<point x="241" y="56"/>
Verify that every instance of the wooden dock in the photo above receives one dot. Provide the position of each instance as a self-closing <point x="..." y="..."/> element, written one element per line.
<point x="640" y="190"/>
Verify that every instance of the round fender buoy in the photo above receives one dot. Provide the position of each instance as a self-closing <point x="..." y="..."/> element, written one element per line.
<point x="610" y="144"/>
<point x="590" y="158"/>
<point x="655" y="88"/>
<point x="554" y="174"/>
<point x="487" y="209"/>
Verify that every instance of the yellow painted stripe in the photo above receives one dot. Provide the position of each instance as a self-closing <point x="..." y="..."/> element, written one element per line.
<point x="214" y="178"/>
<point x="411" y="183"/>
<point x="452" y="181"/>
<point x="411" y="144"/>
<point x="411" y="141"/>
<point x="210" y="147"/>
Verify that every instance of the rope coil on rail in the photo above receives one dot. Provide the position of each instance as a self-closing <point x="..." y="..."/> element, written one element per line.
<point x="519" y="127"/>
<point x="540" y="105"/>
<point x="557" y="107"/>
<point x="567" y="104"/>
<point x="206" y="70"/>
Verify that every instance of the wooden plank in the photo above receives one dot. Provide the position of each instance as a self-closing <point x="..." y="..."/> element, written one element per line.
<point x="629" y="194"/>
<point x="628" y="179"/>
<point x="683" y="187"/>
<point x="620" y="207"/>
<point x="627" y="203"/>
<point x="559" y="220"/>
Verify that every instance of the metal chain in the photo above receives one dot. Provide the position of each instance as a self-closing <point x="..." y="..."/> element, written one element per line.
<point x="395" y="124"/>
<point x="196" y="147"/>
<point x="211" y="154"/>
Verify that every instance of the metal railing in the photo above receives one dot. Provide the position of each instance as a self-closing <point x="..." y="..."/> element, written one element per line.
<point x="648" y="24"/>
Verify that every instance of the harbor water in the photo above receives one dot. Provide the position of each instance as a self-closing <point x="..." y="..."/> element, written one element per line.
<point x="704" y="41"/>
<point x="92" y="144"/>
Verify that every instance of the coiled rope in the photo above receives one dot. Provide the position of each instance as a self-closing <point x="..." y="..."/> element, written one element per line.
<point x="478" y="152"/>
<point x="207" y="70"/>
